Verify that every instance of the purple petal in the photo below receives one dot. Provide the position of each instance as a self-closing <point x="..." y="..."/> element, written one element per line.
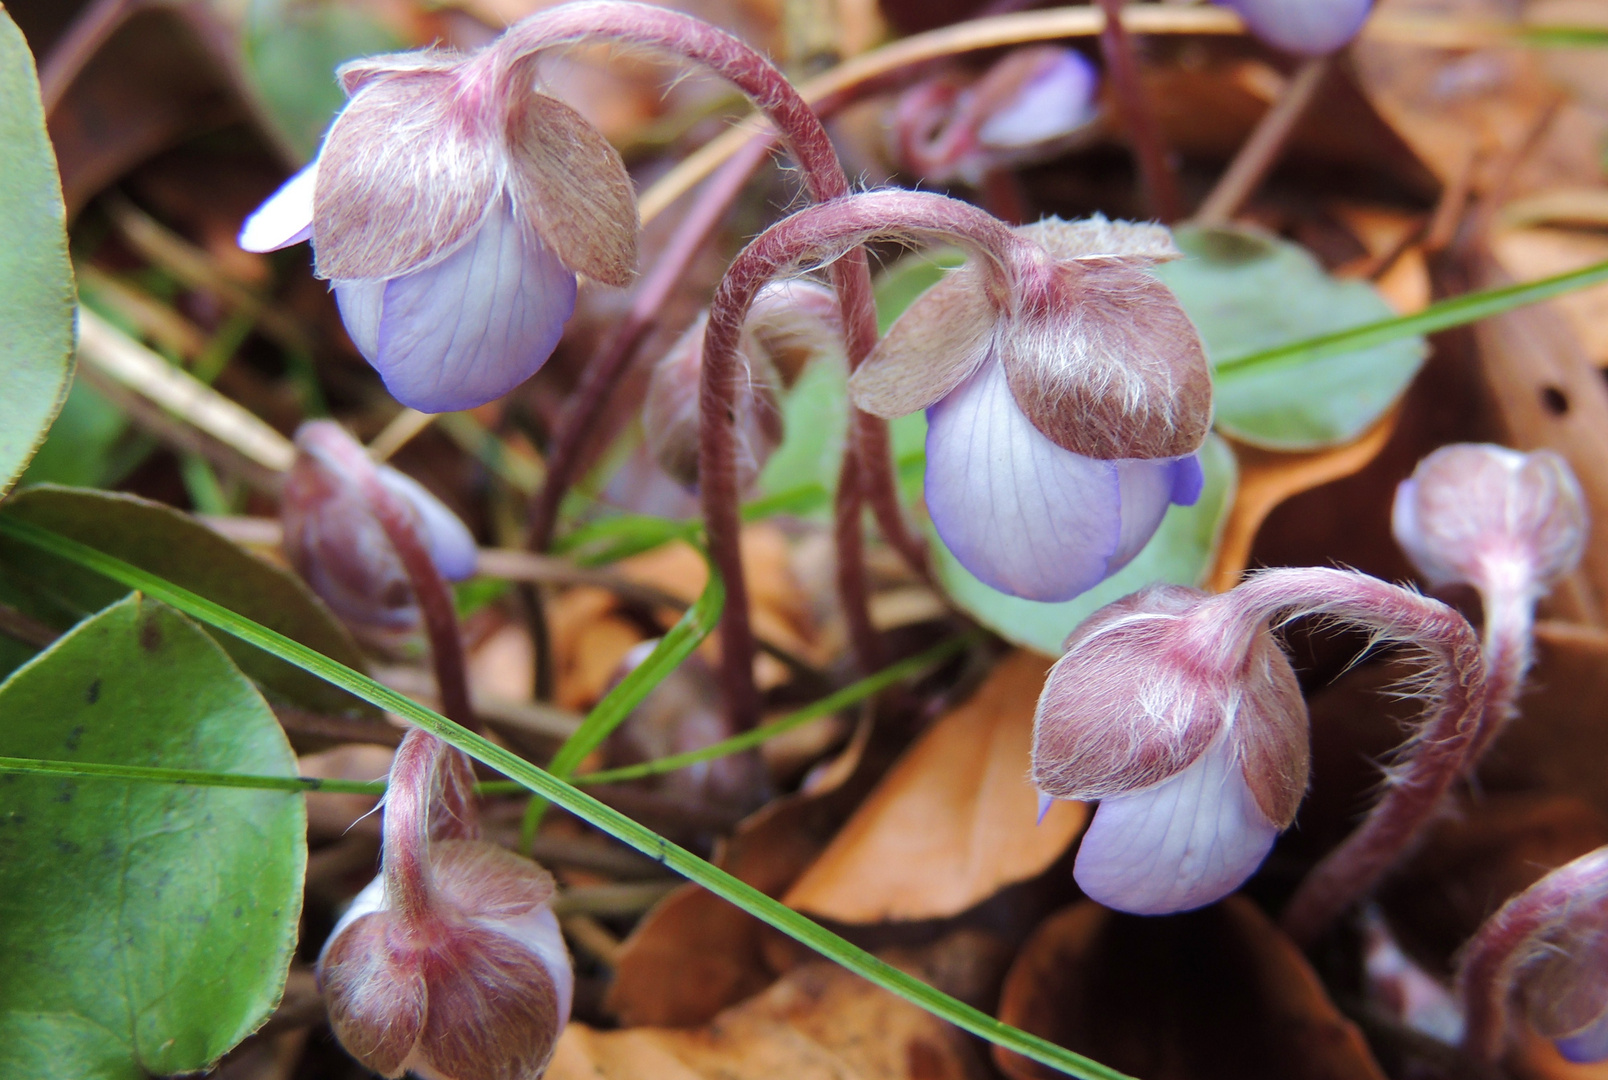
<point x="1308" y="27"/>
<point x="1044" y="804"/>
<point x="1186" y="842"/>
<point x="1056" y="101"/>
<point x="470" y="328"/>
<point x="1025" y="516"/>
<point x="452" y="546"/>
<point x="1189" y="480"/>
<point x="1588" y="1045"/>
<point x="1147" y="490"/>
<point x="286" y="218"/>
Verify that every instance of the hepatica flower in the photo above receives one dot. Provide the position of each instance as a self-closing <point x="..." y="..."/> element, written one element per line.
<point x="1306" y="27"/>
<point x="452" y="206"/>
<point x="1063" y="417"/>
<point x="1189" y="727"/>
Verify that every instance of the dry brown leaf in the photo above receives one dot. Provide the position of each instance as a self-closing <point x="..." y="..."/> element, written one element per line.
<point x="1267" y="478"/>
<point x="820" y="1022"/>
<point x="1536" y="253"/>
<point x="694" y="954"/>
<point x="1213" y="993"/>
<point x="952" y="823"/>
<point x="331" y="816"/>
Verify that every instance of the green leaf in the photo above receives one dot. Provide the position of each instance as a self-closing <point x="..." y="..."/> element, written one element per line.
<point x="36" y="277"/>
<point x="91" y="444"/>
<point x="144" y="929"/>
<point x="1180" y="553"/>
<point x="176" y="546"/>
<point x="815" y="425"/>
<point x="899" y="285"/>
<point x="1246" y="291"/>
<point x="537" y="781"/>
<point x="291" y="53"/>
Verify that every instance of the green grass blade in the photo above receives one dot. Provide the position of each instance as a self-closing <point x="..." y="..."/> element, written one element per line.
<point x="1457" y="311"/>
<point x="576" y="802"/>
<point x="187" y="777"/>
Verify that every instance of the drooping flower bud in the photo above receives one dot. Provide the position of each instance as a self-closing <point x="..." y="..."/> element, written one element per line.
<point x="793" y="322"/>
<point x="452" y="205"/>
<point x="1547" y="950"/>
<point x="1063" y="417"/>
<point x="1187" y="723"/>
<point x="451" y="964"/>
<point x="670" y="413"/>
<point x="335" y="542"/>
<point x="1032" y="105"/>
<point x="1306" y="27"/>
<point x="1491" y="517"/>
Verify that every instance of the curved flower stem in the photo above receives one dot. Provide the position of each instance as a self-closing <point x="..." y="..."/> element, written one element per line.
<point x="823" y="232"/>
<point x="429" y="588"/>
<point x="1494" y="955"/>
<point x="405" y="826"/>
<point x="1155" y="171"/>
<point x="624" y="22"/>
<point x="1509" y="647"/>
<point x="1437" y="752"/>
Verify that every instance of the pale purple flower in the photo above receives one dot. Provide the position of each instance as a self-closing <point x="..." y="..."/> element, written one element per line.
<point x="1061" y="428"/>
<point x="1306" y="27"/>
<point x="452" y="206"/>
<point x="1188" y="726"/>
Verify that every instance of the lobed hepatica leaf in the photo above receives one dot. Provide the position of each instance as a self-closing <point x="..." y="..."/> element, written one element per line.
<point x="1247" y="290"/>
<point x="144" y="928"/>
<point x="182" y="550"/>
<point x="36" y="278"/>
<point x="1181" y="553"/>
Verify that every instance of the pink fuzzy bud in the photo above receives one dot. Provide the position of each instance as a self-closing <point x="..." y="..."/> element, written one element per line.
<point x="339" y="547"/>
<point x="1491" y="517"/>
<point x="1030" y="106"/>
<point x="1186" y="722"/>
<point x="451" y="964"/>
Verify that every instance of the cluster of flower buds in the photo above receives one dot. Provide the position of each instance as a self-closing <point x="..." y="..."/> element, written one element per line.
<point x="789" y="324"/>
<point x="1065" y="407"/>
<point x="1179" y="712"/>
<point x="336" y="543"/>
<point x="1546" y="949"/>
<point x="452" y="206"/>
<point x="450" y="964"/>
<point x="1032" y="105"/>
<point x="1506" y="523"/>
<point x="1304" y="27"/>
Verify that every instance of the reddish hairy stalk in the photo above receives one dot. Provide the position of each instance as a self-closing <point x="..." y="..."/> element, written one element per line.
<point x="405" y="827"/>
<point x="1435" y="756"/>
<point x="639" y="24"/>
<point x="1155" y="171"/>
<point x="818" y="233"/>
<point x="1492" y="958"/>
<point x="1509" y="644"/>
<point x="429" y="588"/>
<point x="850" y="565"/>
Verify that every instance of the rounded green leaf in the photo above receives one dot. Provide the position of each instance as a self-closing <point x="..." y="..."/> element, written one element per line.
<point x="144" y="928"/>
<point x="36" y="278"/>
<point x="1247" y="290"/>
<point x="182" y="550"/>
<point x="1181" y="553"/>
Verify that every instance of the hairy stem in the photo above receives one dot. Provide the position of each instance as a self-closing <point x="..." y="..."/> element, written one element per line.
<point x="1509" y="647"/>
<point x="823" y="232"/>
<point x="1492" y="958"/>
<point x="1434" y="758"/>
<point x="405" y="826"/>
<point x="1155" y="170"/>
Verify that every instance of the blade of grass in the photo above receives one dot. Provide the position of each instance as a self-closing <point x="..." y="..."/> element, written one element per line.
<point x="188" y="777"/>
<point x="577" y="802"/>
<point x="1457" y="311"/>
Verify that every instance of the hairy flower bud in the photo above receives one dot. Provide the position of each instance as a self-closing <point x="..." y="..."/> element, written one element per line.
<point x="671" y="411"/>
<point x="1491" y="517"/>
<point x="452" y="206"/>
<point x="451" y="964"/>
<point x="1063" y="418"/>
<point x="335" y="542"/>
<point x="1031" y="105"/>
<point x="1190" y="729"/>
<point x="1306" y="27"/>
<point x="793" y="322"/>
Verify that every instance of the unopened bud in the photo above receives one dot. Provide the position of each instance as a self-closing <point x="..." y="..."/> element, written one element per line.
<point x="338" y="546"/>
<point x="1491" y="517"/>
<point x="1189" y="727"/>
<point x="1030" y="106"/>
<point x="1305" y="27"/>
<point x="793" y="322"/>
<point x="451" y="964"/>
<point x="671" y="413"/>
